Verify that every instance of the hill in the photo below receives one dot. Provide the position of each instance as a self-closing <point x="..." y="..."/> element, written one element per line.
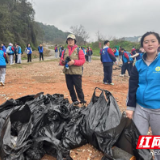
<point x="50" y="33"/>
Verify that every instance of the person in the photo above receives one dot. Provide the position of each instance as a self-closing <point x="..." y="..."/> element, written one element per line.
<point x="138" y="55"/>
<point x="127" y="62"/>
<point x="107" y="58"/>
<point x="143" y="102"/>
<point x="89" y="53"/>
<point x="18" y="52"/>
<point x="60" y="51"/>
<point x="116" y="53"/>
<point x="86" y="56"/>
<point x="2" y="67"/>
<point x="40" y="49"/>
<point x="133" y="51"/>
<point x="75" y="59"/>
<point x="84" y="51"/>
<point x="56" y="51"/>
<point x="28" y="50"/>
<point x="120" y="55"/>
<point x="10" y="52"/>
<point x="3" y="47"/>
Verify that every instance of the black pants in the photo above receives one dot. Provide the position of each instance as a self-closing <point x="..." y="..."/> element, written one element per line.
<point x="86" y="57"/>
<point x="75" y="81"/>
<point x="29" y="57"/>
<point x="41" y="56"/>
<point x="125" y="67"/>
<point x="107" y="73"/>
<point x="16" y="58"/>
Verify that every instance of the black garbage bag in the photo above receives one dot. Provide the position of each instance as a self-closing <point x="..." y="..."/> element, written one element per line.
<point x="124" y="136"/>
<point x="52" y="146"/>
<point x="101" y="115"/>
<point x="35" y="152"/>
<point x="73" y="137"/>
<point x="19" y="123"/>
<point x="8" y="105"/>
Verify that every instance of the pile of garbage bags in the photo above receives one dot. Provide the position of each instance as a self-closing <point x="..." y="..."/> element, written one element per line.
<point x="35" y="125"/>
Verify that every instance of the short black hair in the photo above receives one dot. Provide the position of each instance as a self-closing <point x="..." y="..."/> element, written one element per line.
<point x="147" y="34"/>
<point x="137" y="50"/>
<point x="105" y="42"/>
<point x="122" y="49"/>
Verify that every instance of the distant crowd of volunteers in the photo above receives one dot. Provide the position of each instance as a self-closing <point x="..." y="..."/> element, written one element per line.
<point x="143" y="66"/>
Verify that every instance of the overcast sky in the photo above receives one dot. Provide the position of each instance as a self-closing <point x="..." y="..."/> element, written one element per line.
<point x="116" y="18"/>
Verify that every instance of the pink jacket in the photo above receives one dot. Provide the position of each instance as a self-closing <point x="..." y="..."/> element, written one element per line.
<point x="78" y="62"/>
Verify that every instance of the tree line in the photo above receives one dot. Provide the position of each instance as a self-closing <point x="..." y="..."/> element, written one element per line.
<point x="17" y="23"/>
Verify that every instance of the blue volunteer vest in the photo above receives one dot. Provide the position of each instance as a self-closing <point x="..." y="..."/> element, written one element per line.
<point x="148" y="92"/>
<point x="2" y="60"/>
<point x="105" y="55"/>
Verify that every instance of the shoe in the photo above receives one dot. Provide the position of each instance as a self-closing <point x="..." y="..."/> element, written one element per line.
<point x="121" y="75"/>
<point x="76" y="103"/>
<point x="83" y="103"/>
<point x="2" y="84"/>
<point x="111" y="84"/>
<point x="105" y="83"/>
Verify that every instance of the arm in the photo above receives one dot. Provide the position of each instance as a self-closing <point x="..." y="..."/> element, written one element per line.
<point x="111" y="54"/>
<point x="133" y="85"/>
<point x="81" y="60"/>
<point x="137" y="54"/>
<point x="101" y="54"/>
<point x="126" y="56"/>
<point x="62" y="59"/>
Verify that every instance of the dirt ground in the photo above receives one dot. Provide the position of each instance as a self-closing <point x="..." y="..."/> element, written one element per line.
<point x="47" y="77"/>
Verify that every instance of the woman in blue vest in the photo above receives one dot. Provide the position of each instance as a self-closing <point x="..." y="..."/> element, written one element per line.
<point x="2" y="67"/>
<point x="40" y="49"/>
<point x="28" y="50"/>
<point x="143" y="103"/>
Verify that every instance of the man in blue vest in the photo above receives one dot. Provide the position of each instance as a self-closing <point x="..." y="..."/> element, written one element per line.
<point x="40" y="49"/>
<point x="107" y="58"/>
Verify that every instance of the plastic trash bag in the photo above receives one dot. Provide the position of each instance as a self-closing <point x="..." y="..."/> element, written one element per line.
<point x="124" y="136"/>
<point x="72" y="134"/>
<point x="12" y="147"/>
<point x="101" y="115"/>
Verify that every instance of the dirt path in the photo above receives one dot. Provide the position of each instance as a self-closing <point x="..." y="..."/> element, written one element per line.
<point x="47" y="77"/>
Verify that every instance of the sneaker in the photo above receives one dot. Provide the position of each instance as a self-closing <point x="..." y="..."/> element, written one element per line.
<point x="0" y="83"/>
<point x="121" y="75"/>
<point x="105" y="83"/>
<point x="76" y="103"/>
<point x="111" y="84"/>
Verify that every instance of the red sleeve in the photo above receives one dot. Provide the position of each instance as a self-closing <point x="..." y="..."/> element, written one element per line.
<point x="4" y="55"/>
<point x="81" y="60"/>
<point x="110" y="52"/>
<point x="126" y="55"/>
<point x="100" y="51"/>
<point x="12" y="49"/>
<point x="61" y="59"/>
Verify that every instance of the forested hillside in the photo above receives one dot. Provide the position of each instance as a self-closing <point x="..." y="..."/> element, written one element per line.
<point x="51" y="34"/>
<point x="17" y="23"/>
